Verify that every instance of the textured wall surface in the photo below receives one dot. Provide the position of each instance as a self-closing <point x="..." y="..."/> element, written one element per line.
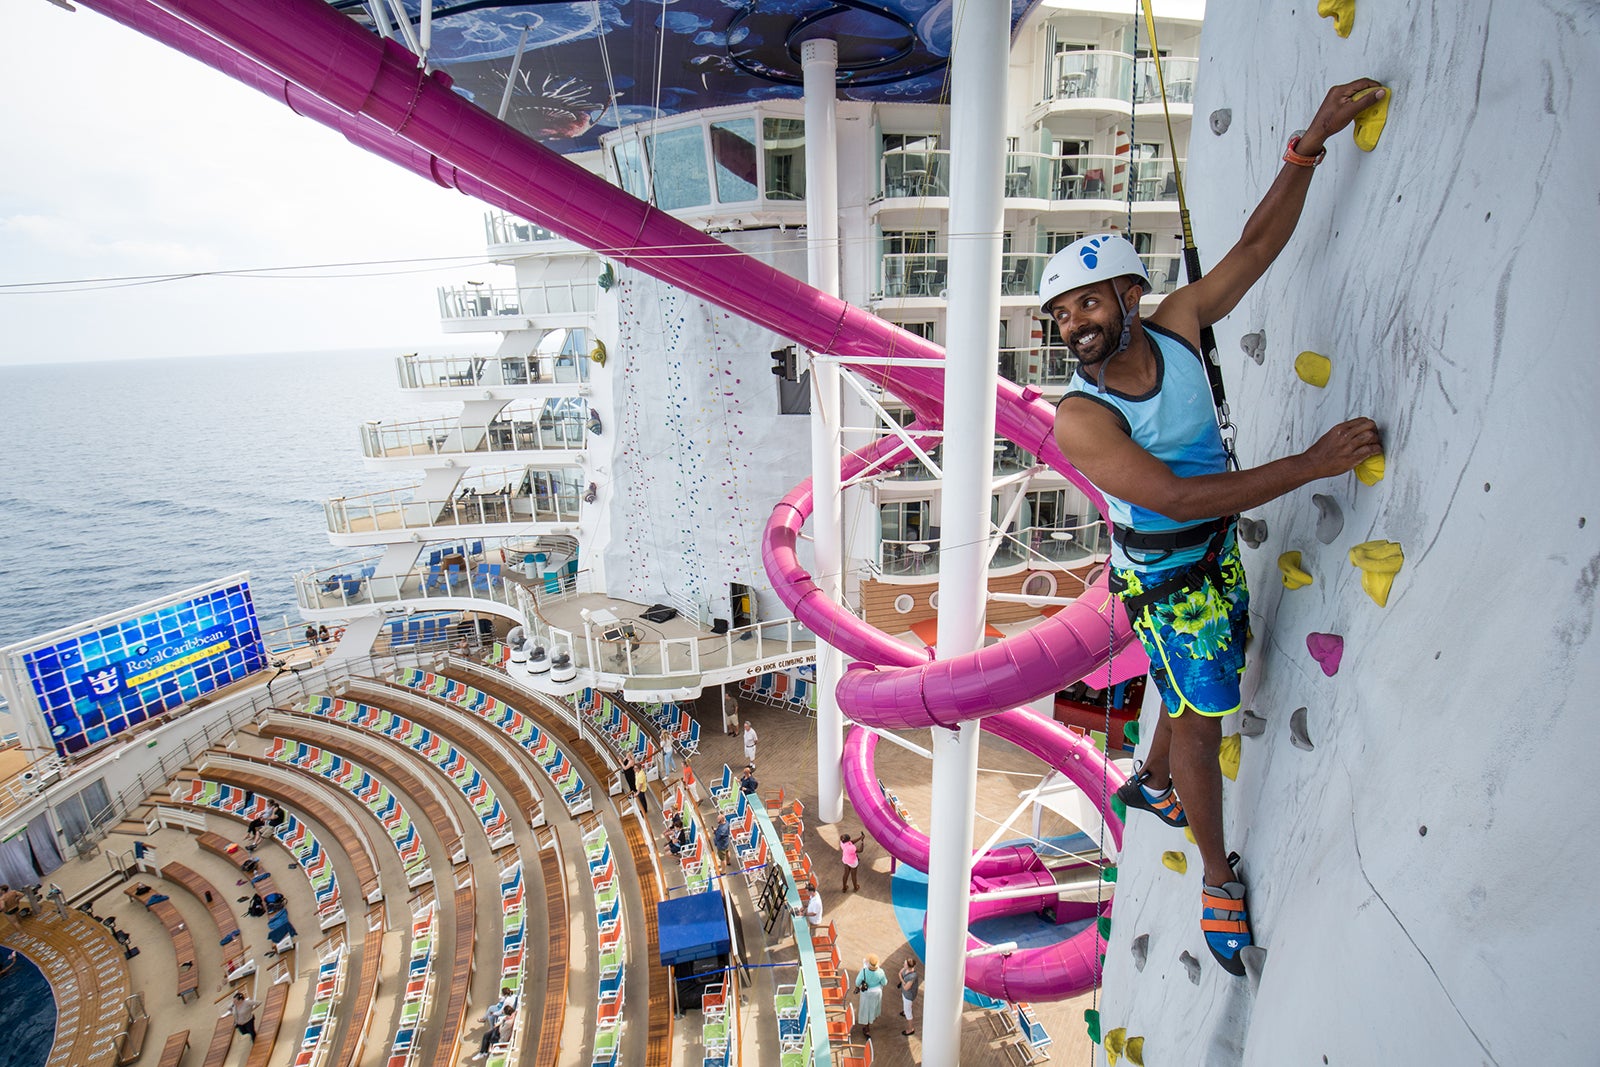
<point x="701" y="454"/>
<point x="1421" y="878"/>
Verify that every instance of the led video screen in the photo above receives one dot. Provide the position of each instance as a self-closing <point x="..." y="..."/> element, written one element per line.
<point x="97" y="682"/>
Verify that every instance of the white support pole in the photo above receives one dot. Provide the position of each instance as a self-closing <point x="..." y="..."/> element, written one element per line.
<point x="977" y="131"/>
<point x="819" y="62"/>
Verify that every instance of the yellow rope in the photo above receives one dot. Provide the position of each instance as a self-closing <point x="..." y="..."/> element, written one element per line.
<point x="1161" y="82"/>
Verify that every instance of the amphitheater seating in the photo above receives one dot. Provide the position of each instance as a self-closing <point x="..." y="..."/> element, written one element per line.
<point x="157" y="904"/>
<point x="563" y="774"/>
<point x="295" y="835"/>
<point x="227" y="927"/>
<point x="172" y="1052"/>
<point x="557" y="952"/>
<point x="326" y="991"/>
<point x="455" y="1010"/>
<point x="376" y="797"/>
<point x="406" y="1047"/>
<point x="268" y="1019"/>
<point x="425" y="742"/>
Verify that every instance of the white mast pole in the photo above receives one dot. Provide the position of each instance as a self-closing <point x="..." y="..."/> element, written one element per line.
<point x="819" y="65"/>
<point x="978" y="63"/>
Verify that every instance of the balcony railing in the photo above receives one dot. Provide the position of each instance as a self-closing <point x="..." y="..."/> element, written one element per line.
<point x="913" y="274"/>
<point x="914" y="172"/>
<point x="1179" y="72"/>
<point x="352" y="585"/>
<point x="1034" y="175"/>
<point x="503" y="229"/>
<point x="481" y="502"/>
<point x="571" y="296"/>
<point x="446" y="372"/>
<point x="920" y="559"/>
<point x="1068" y="544"/>
<point x="1090" y="74"/>
<point x="435" y="437"/>
<point x="631" y="648"/>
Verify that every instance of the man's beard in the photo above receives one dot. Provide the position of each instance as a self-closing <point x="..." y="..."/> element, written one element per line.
<point x="1096" y="353"/>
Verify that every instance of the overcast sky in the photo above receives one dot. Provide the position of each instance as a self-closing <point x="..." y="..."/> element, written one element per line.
<point x="124" y="157"/>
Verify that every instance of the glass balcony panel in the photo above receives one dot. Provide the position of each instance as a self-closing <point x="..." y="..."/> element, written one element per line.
<point x="915" y="172"/>
<point x="505" y="229"/>
<point x="492" y="497"/>
<point x="561" y="297"/>
<point x="567" y="366"/>
<point x="1092" y="73"/>
<point x="1179" y="72"/>
<point x="908" y="559"/>
<point x="913" y="274"/>
<point x="525" y="431"/>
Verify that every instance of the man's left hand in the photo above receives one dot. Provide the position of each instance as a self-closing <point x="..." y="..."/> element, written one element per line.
<point x="1339" y="108"/>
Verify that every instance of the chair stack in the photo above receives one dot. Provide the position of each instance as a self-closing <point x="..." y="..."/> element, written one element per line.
<point x="625" y="737"/>
<point x="317" y="1042"/>
<point x="613" y="947"/>
<point x="419" y="988"/>
<point x="782" y="690"/>
<point x="673" y="720"/>
<point x="514" y="911"/>
<point x="441" y="753"/>
<point x="373" y="795"/>
<point x="719" y="1029"/>
<point x="561" y="770"/>
<point x="301" y="842"/>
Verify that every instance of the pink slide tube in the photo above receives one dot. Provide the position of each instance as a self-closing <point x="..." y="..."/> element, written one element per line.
<point x="325" y="66"/>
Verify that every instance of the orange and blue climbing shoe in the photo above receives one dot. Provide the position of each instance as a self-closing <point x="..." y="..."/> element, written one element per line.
<point x="1225" y="921"/>
<point x="1166" y="806"/>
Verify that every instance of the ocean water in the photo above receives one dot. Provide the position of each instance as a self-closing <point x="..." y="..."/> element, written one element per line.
<point x="27" y="1014"/>
<point x="124" y="481"/>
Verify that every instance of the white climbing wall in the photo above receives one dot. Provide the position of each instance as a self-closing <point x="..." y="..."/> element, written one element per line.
<point x="1424" y="878"/>
<point x="701" y="454"/>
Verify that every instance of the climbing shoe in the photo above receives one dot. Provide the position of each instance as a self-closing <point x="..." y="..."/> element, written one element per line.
<point x="1167" y="808"/>
<point x="1225" y="921"/>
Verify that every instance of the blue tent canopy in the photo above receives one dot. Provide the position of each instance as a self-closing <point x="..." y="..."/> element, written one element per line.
<point x="692" y="928"/>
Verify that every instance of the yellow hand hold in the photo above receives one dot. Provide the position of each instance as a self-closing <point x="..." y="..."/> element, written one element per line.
<point x="1371" y="470"/>
<point x="1228" y="756"/>
<point x="1379" y="561"/>
<point x="1189" y="833"/>
<point x="1369" y="124"/>
<point x="1116" y="1040"/>
<point x="1313" y="369"/>
<point x="1135" y="1050"/>
<point x="1293" y="576"/>
<point x="1175" y="861"/>
<point x="1342" y="12"/>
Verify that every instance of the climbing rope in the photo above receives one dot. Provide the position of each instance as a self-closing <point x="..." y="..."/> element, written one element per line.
<point x="1191" y="254"/>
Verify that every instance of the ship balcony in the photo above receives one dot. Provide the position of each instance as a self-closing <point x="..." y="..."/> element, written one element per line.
<point x="555" y="303"/>
<point x="609" y="644"/>
<point x="911" y="280"/>
<point x="558" y="434"/>
<point x="1096" y="81"/>
<point x="490" y="504"/>
<point x="1009" y="458"/>
<point x="472" y="376"/>
<point x="510" y="236"/>
<point x="1067" y="546"/>
<point x="455" y="580"/>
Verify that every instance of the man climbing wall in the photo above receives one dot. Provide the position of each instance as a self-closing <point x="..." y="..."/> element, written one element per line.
<point x="1139" y="421"/>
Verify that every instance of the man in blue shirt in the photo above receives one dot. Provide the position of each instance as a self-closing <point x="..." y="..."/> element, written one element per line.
<point x="1139" y="422"/>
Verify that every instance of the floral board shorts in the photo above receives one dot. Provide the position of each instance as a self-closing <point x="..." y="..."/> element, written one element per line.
<point x="1195" y="636"/>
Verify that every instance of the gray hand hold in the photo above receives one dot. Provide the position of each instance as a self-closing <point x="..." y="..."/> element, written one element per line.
<point x="1221" y="119"/>
<point x="1255" y="346"/>
<point x="1330" y="518"/>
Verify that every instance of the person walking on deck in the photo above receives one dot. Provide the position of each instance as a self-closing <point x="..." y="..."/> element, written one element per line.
<point x="244" y="1014"/>
<point x="869" y="986"/>
<point x="850" y="853"/>
<point x="1139" y="421"/>
<point x="750" y="742"/>
<point x="908" y="983"/>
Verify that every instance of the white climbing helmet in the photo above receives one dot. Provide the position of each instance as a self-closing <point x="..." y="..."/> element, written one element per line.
<point x="1097" y="258"/>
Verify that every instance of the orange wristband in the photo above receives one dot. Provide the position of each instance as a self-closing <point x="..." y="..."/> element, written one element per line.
<point x="1291" y="155"/>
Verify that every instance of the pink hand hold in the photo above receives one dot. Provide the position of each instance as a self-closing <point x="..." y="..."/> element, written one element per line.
<point x="1327" y="650"/>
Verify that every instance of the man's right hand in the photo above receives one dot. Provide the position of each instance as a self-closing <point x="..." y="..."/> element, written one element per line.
<point x="1341" y="448"/>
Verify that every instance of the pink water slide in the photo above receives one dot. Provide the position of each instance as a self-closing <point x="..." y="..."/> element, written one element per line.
<point x="323" y="65"/>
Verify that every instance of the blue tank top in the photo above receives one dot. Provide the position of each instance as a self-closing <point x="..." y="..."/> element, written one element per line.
<point x="1175" y="422"/>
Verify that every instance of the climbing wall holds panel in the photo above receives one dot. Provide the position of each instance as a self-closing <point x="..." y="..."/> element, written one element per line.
<point x="1379" y="561"/>
<point x="1228" y="756"/>
<point x="1330" y="517"/>
<point x="1299" y="732"/>
<point x="1371" y="470"/>
<point x="1294" y="577"/>
<point x="1342" y="12"/>
<point x="1369" y="124"/>
<point x="1313" y="368"/>
<point x="1327" y="650"/>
